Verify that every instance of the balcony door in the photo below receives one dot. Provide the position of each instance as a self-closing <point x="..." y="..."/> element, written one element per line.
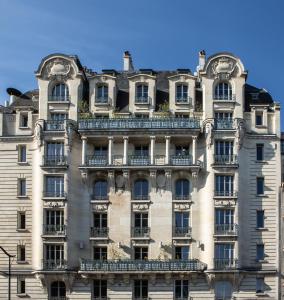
<point x="224" y="251"/>
<point x="55" y="186"/>
<point x="224" y="185"/>
<point x="224" y="148"/>
<point x="181" y="219"/>
<point x="141" y="220"/>
<point x="54" y="254"/>
<point x="54" y="218"/>
<point x="54" y="149"/>
<point x="58" y="290"/>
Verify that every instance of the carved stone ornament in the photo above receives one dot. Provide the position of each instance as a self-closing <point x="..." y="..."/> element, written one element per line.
<point x="224" y="67"/>
<point x="69" y="134"/>
<point x="181" y="207"/>
<point x="38" y="134"/>
<point x="210" y="278"/>
<point x="140" y="207"/>
<point x="240" y="132"/>
<point x="100" y="207"/>
<point x="209" y="133"/>
<point x="161" y="181"/>
<point x="58" y="69"/>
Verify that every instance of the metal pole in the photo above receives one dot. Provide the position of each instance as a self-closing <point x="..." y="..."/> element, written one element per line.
<point x="9" y="281"/>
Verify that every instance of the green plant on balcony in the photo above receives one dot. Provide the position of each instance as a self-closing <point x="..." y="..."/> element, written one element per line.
<point x="83" y="110"/>
<point x="163" y="110"/>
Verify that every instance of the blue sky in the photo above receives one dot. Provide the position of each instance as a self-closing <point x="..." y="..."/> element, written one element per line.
<point x="160" y="34"/>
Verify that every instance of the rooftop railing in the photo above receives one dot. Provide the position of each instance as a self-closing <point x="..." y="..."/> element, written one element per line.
<point x="52" y="264"/>
<point x="225" y="263"/>
<point x="139" y="123"/>
<point x="226" y="229"/>
<point x="225" y="159"/>
<point x="141" y="265"/>
<point x="54" y="160"/>
<point x="51" y="125"/>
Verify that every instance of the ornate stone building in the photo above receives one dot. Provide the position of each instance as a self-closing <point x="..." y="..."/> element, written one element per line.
<point x="141" y="184"/>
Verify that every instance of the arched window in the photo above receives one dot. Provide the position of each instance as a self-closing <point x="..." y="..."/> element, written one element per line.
<point x="182" y="189"/>
<point x="223" y="91"/>
<point x="181" y="93"/>
<point x="60" y="92"/>
<point x="142" y="93"/>
<point x="102" y="93"/>
<point x="141" y="189"/>
<point x="58" y="289"/>
<point x="100" y="190"/>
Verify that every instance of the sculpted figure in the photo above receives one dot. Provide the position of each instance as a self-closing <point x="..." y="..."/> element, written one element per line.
<point x="209" y="134"/>
<point x="38" y="134"/>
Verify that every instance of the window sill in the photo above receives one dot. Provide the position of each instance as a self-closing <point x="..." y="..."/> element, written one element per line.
<point x="261" y="294"/>
<point x="261" y="229"/>
<point x="23" y="163"/>
<point x="22" y="295"/>
<point x="58" y="102"/>
<point x="261" y="261"/>
<point x="22" y="262"/>
<point x="22" y="230"/>
<point x="22" y="196"/>
<point x="24" y="128"/>
<point x="261" y="161"/>
<point x="260" y="126"/>
<point x="102" y="104"/>
<point x="262" y="195"/>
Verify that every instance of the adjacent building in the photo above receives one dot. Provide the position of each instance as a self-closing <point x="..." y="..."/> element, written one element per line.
<point x="141" y="184"/>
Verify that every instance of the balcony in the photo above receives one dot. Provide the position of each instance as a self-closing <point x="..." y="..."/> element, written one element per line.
<point x="157" y="123"/>
<point x="183" y="100"/>
<point x="139" y="160"/>
<point x="141" y="266"/>
<point x="54" y="230"/>
<point x="96" y="160"/>
<point x="140" y="232"/>
<point x="181" y="197"/>
<point x="104" y="100"/>
<point x="225" y="263"/>
<point x="54" y="265"/>
<point x="63" y="98"/>
<point x="54" y="194"/>
<point x="230" y="159"/>
<point x="225" y="97"/>
<point x="182" y="231"/>
<point x="54" y="161"/>
<point x="142" y="100"/>
<point x="51" y="125"/>
<point x="226" y="229"/>
<point x="99" y="232"/>
<point x="224" y="124"/>
<point x="226" y="194"/>
<point x="141" y="197"/>
<point x="181" y="160"/>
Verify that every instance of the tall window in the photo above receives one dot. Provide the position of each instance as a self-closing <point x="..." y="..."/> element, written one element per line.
<point x="102" y="94"/>
<point x="140" y="289"/>
<point x="182" y="252"/>
<point x="21" y="220"/>
<point x="54" y="186"/>
<point x="141" y="189"/>
<point x="100" y="289"/>
<point x="100" y="253"/>
<point x="181" y="289"/>
<point x="260" y="185"/>
<point x="224" y="254"/>
<point x="223" y="120"/>
<point x="54" y="221"/>
<point x="60" y="92"/>
<point x="54" y="153"/>
<point x="24" y="119"/>
<point x="140" y="253"/>
<point x="141" y="150"/>
<point x="224" y="185"/>
<point x="182" y="189"/>
<point x="224" y="220"/>
<point x="22" y="187"/>
<point x="57" y="289"/>
<point x="100" y="220"/>
<point x="224" y="148"/>
<point x="181" y="93"/>
<point x="22" y="153"/>
<point x="259" y="285"/>
<point x="141" y="220"/>
<point x="259" y="152"/>
<point x="142" y="93"/>
<point x="223" y="290"/>
<point x="259" y="119"/>
<point x="260" y="252"/>
<point x="181" y="221"/>
<point x="260" y="219"/>
<point x="21" y="253"/>
<point x="21" y="285"/>
<point x="54" y="255"/>
<point x="100" y="151"/>
<point x="100" y="190"/>
<point x="223" y="91"/>
<point x="59" y="117"/>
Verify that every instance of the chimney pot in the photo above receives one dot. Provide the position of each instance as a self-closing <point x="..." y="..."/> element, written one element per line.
<point x="127" y="62"/>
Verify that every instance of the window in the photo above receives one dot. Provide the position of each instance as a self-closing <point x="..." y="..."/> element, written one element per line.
<point x="259" y="152"/>
<point x="140" y="289"/>
<point x="224" y="148"/>
<point x="100" y="253"/>
<point x="100" y="289"/>
<point x="259" y="285"/>
<point x="140" y="253"/>
<point x="141" y="150"/>
<point x="100" y="190"/>
<point x="60" y="92"/>
<point x="54" y="186"/>
<point x="142" y="93"/>
<point x="182" y="189"/>
<point x="223" y="290"/>
<point x="181" y="289"/>
<point x="182" y="252"/>
<point x="141" y="220"/>
<point x="54" y="149"/>
<point x="21" y="220"/>
<point x="22" y="189"/>
<point x="100" y="220"/>
<point x="59" y="117"/>
<point x="57" y="289"/>
<point x="181" y="220"/>
<point x="102" y="94"/>
<point x="21" y="286"/>
<point x="259" y="119"/>
<point x="223" y="120"/>
<point x="182" y="93"/>
<point x="22" y="153"/>
<point x="182" y="150"/>
<point x="260" y="185"/>
<point x="54" y="221"/>
<point x="21" y="253"/>
<point x="24" y="120"/>
<point x="224" y="220"/>
<point x="260" y="218"/>
<point x="141" y="189"/>
<point x="223" y="91"/>
<point x="224" y="255"/>
<point x="259" y="252"/>
<point x="54" y="256"/>
<point x="100" y="151"/>
<point x="224" y="185"/>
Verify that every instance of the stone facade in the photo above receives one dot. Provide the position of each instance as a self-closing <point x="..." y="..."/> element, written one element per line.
<point x="141" y="184"/>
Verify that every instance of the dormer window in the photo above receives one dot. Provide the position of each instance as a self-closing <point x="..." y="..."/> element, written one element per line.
<point x="60" y="92"/>
<point x="223" y="91"/>
<point x="142" y="94"/>
<point x="182" y="93"/>
<point x="24" y="120"/>
<point x="102" y="93"/>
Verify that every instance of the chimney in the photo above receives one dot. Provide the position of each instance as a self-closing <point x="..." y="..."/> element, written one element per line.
<point x="127" y="62"/>
<point x="12" y="99"/>
<point x="202" y="60"/>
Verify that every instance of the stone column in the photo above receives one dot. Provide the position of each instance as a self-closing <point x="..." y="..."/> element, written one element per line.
<point x="152" y="150"/>
<point x="84" y="149"/>
<point x="110" y="146"/>
<point x="194" y="138"/>
<point x="167" y="156"/>
<point x="125" y="150"/>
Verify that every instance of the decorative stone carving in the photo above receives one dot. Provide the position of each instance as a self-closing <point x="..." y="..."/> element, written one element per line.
<point x="140" y="207"/>
<point x="223" y="67"/>
<point x="126" y="180"/>
<point x="153" y="174"/>
<point x="115" y="252"/>
<point x="38" y="133"/>
<point x="69" y="134"/>
<point x="209" y="133"/>
<point x="111" y="181"/>
<point x="58" y="69"/>
<point x="161" y="181"/>
<point x="240" y="132"/>
<point x="210" y="278"/>
<point x="168" y="176"/>
<point x="100" y="207"/>
<point x="181" y="207"/>
<point x="119" y="181"/>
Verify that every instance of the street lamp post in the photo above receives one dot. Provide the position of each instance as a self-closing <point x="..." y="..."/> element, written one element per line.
<point x="9" y="271"/>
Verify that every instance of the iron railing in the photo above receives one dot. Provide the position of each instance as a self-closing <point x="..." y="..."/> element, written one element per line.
<point x="182" y="231"/>
<point x="54" y="229"/>
<point x="229" y="97"/>
<point x="140" y="197"/>
<point x="57" y="298"/>
<point x="96" y="160"/>
<point x="226" y="229"/>
<point x="225" y="194"/>
<point x="99" y="197"/>
<point x="102" y="100"/>
<point x="140" y="232"/>
<point x="54" y="194"/>
<point x="51" y="125"/>
<point x="141" y="265"/>
<point x="63" y="98"/>
<point x="139" y="123"/>
<point x="54" y="160"/>
<point x="138" y="160"/>
<point x="181" y="160"/>
<point x="225" y="263"/>
<point x="99" y="232"/>
<point x="225" y="159"/>
<point x="181" y="197"/>
<point x="142" y="100"/>
<point x="52" y="264"/>
<point x="223" y="124"/>
<point x="183" y="100"/>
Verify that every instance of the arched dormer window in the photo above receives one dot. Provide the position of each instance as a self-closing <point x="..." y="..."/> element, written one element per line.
<point x="182" y="189"/>
<point x="142" y="94"/>
<point x="182" y="93"/>
<point x="60" y="92"/>
<point x="223" y="91"/>
<point x="100" y="190"/>
<point x="58" y="290"/>
<point x="102" y="93"/>
<point x="141" y="189"/>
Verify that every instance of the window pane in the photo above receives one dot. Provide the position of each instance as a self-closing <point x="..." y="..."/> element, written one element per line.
<point x="259" y="151"/>
<point x="260" y="219"/>
<point x="260" y="185"/>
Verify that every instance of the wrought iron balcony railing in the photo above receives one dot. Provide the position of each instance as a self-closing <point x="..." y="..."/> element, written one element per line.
<point x="142" y="100"/>
<point x="141" y="265"/>
<point x="226" y="229"/>
<point x="225" y="263"/>
<point x="57" y="298"/>
<point x="229" y="97"/>
<point x="99" y="197"/>
<point x="224" y="124"/>
<point x="182" y="231"/>
<point x="99" y="232"/>
<point x="225" y="159"/>
<point x="102" y="100"/>
<point x="52" y="264"/>
<point x="54" y="160"/>
<point x="51" y="125"/>
<point x="138" y="160"/>
<point x="139" y="123"/>
<point x="140" y="232"/>
<point x="183" y="100"/>
<point x="181" y="160"/>
<point x="181" y="197"/>
<point x="141" y="197"/>
<point x="54" y="229"/>
<point x="54" y="194"/>
<point x="63" y="98"/>
<point x="96" y="160"/>
<point x="225" y="194"/>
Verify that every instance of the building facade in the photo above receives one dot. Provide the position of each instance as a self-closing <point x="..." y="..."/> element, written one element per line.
<point x="141" y="184"/>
